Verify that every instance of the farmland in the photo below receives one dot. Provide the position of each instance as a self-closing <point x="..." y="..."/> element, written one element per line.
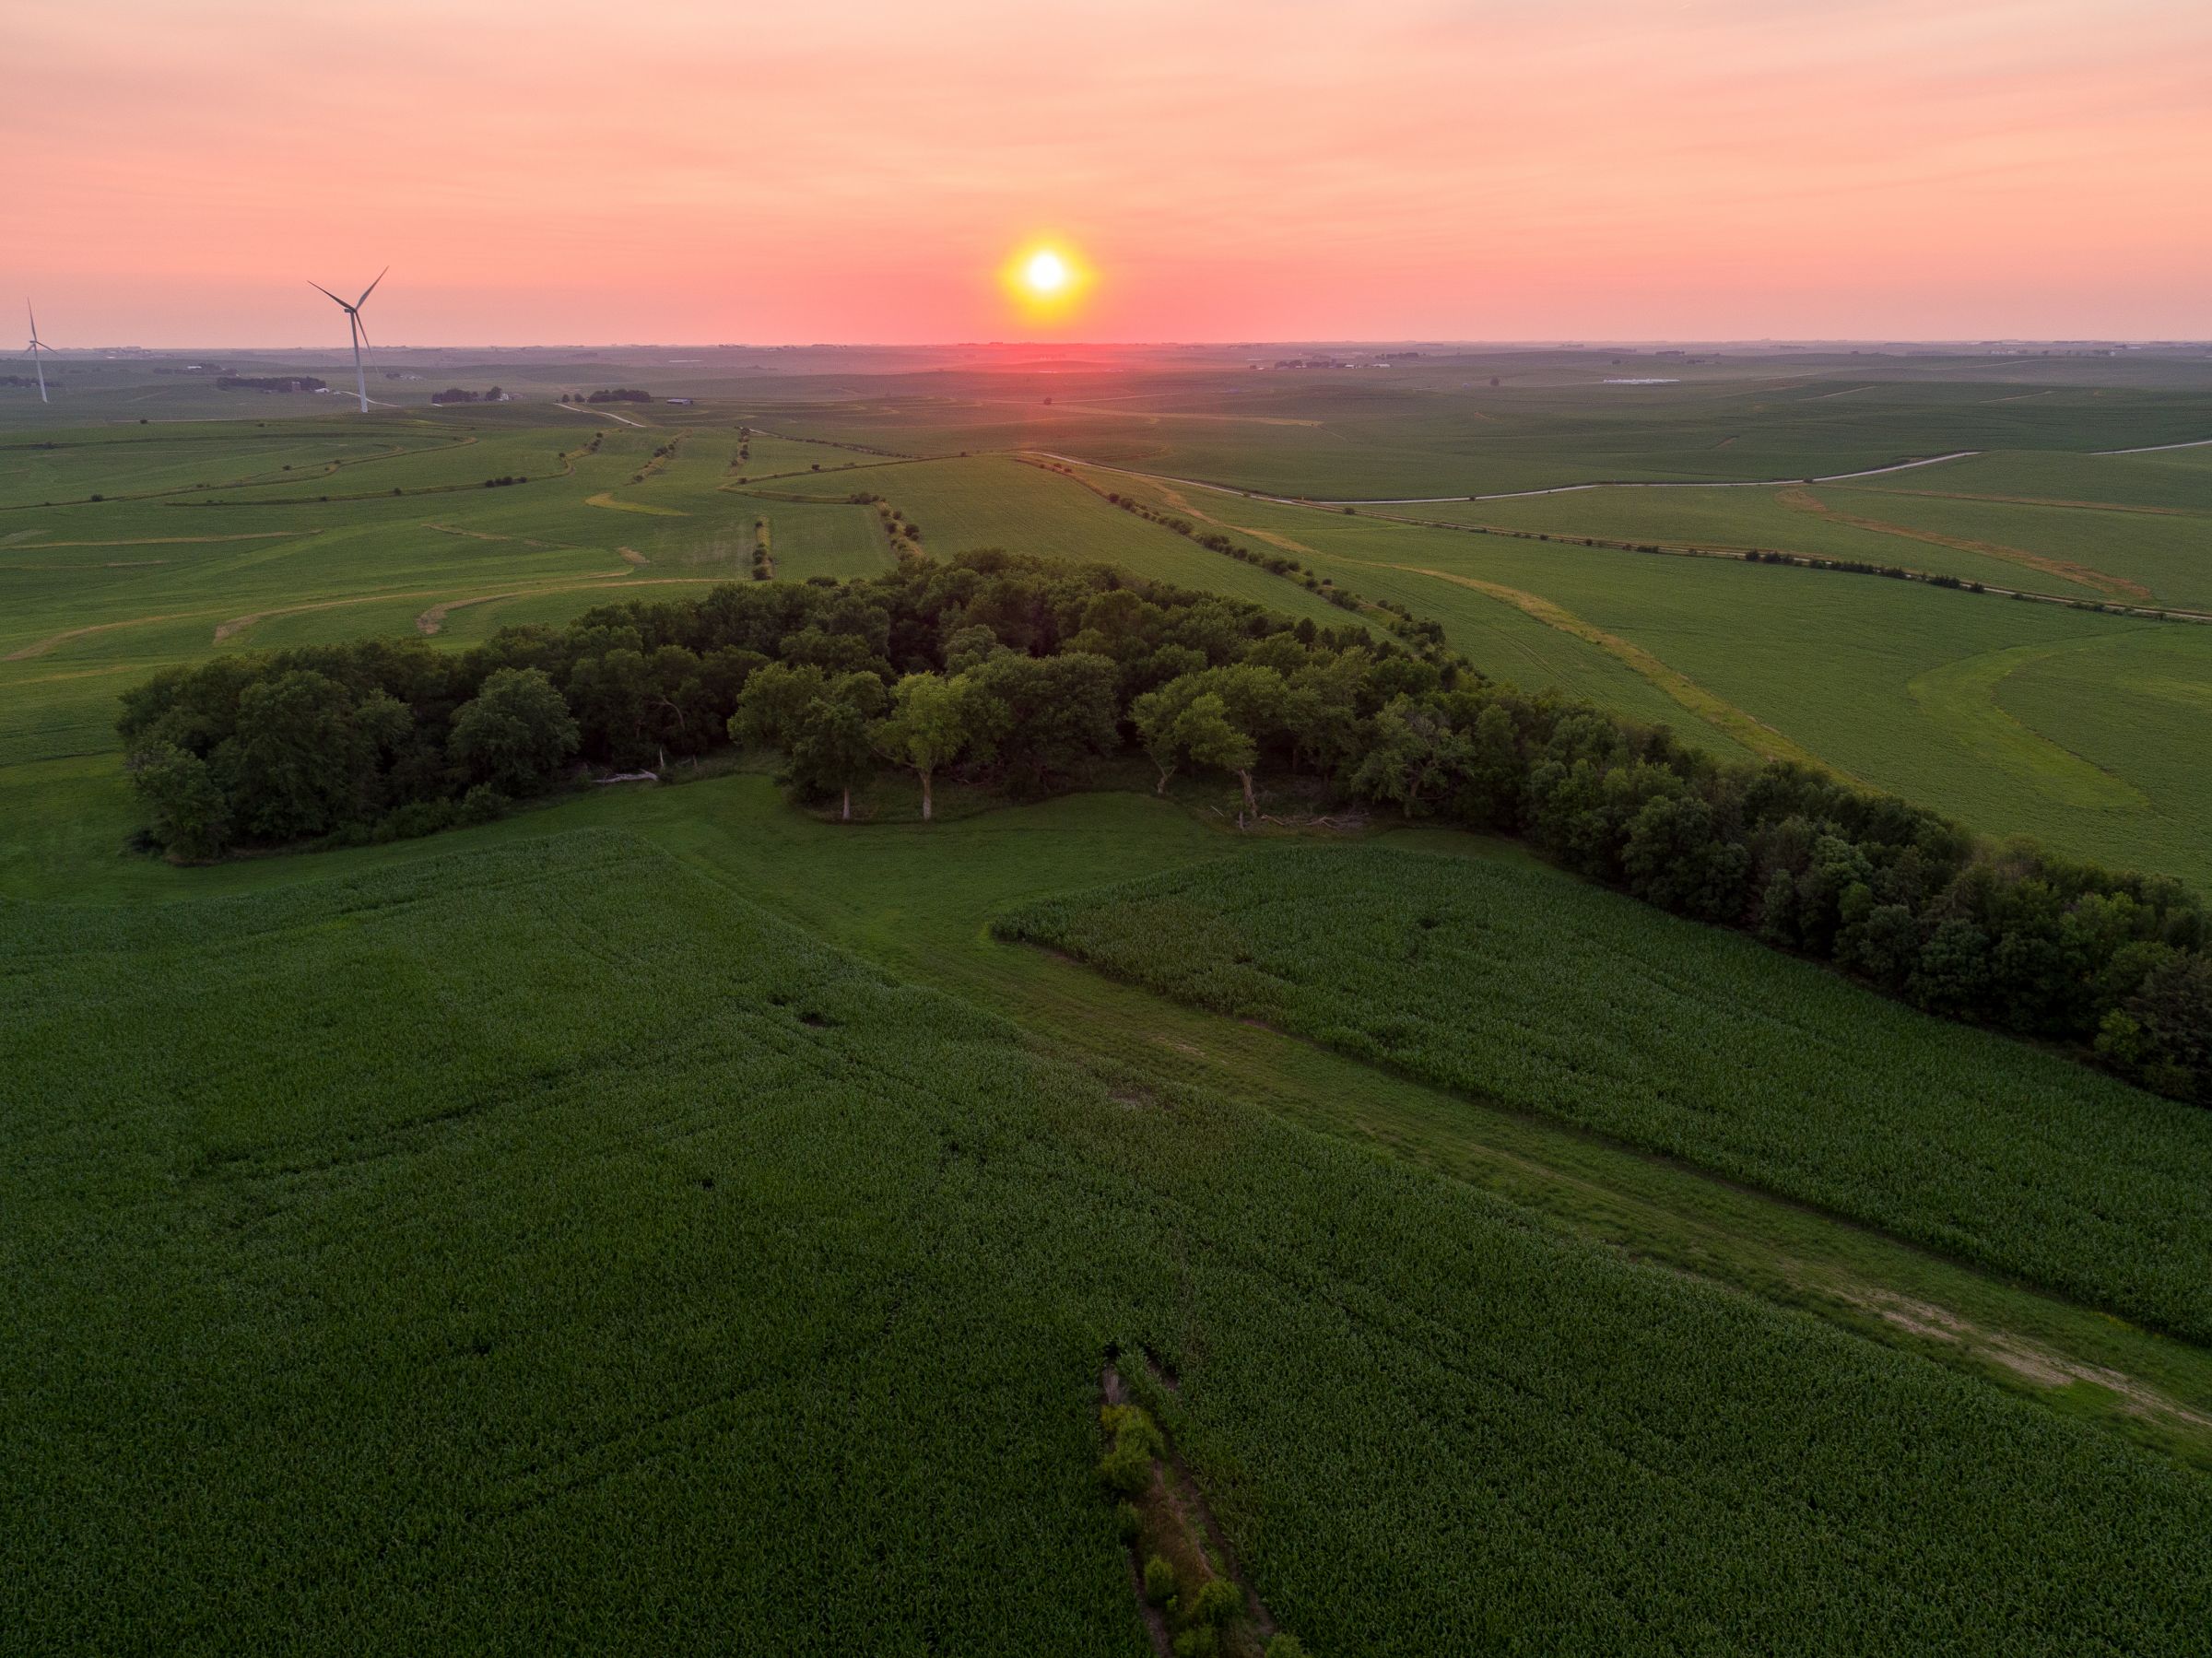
<point x="1571" y="1003"/>
<point x="731" y="1242"/>
<point x="1898" y="684"/>
<point x="676" y="1218"/>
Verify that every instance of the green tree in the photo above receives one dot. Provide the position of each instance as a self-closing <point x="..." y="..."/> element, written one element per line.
<point x="1413" y="758"/>
<point x="1205" y="732"/>
<point x="187" y="813"/>
<point x="1043" y="715"/>
<point x="516" y="733"/>
<point x="1158" y="716"/>
<point x="828" y="752"/>
<point x="293" y="766"/>
<point x="928" y="728"/>
<point x="773" y="699"/>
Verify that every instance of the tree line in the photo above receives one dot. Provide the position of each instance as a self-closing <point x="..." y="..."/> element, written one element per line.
<point x="269" y="382"/>
<point x="1023" y="674"/>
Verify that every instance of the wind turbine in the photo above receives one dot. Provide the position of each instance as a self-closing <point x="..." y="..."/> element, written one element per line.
<point x="37" y="345"/>
<point x="360" y="331"/>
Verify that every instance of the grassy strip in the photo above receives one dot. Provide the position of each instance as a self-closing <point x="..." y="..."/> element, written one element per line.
<point x="1753" y="733"/>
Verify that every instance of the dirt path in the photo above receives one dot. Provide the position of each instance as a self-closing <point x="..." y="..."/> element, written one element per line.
<point x="40" y="547"/>
<point x="1429" y="501"/>
<point x="607" y="414"/>
<point x="605" y="499"/>
<point x="2030" y="1360"/>
<point x="2044" y="500"/>
<point x="2157" y="448"/>
<point x="1181" y="503"/>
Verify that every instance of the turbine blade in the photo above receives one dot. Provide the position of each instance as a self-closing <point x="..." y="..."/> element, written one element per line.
<point x="329" y="295"/>
<point x="361" y="323"/>
<point x="372" y="287"/>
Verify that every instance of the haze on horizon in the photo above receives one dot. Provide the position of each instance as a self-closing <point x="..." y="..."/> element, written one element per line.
<point x="1233" y="169"/>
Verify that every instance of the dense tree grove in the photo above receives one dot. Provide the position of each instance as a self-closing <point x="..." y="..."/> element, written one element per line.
<point x="1018" y="673"/>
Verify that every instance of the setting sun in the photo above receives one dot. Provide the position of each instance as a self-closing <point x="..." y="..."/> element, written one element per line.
<point x="1046" y="272"/>
<point x="1047" y="280"/>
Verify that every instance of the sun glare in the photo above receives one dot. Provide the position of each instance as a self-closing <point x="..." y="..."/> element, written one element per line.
<point x="1047" y="281"/>
<point x="1046" y="272"/>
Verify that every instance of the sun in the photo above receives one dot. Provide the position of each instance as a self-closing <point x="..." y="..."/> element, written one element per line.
<point x="1046" y="272"/>
<point x="1047" y="281"/>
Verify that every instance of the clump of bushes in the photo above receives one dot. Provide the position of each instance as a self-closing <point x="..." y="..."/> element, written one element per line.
<point x="1159" y="1580"/>
<point x="1127" y="1468"/>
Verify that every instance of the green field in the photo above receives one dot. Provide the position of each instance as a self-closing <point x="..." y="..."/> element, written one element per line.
<point x="1551" y="997"/>
<point x="346" y="1161"/>
<point x="1900" y="685"/>
<point x="666" y="1217"/>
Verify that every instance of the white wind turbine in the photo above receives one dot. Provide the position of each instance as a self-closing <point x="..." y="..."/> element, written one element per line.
<point x="37" y="345"/>
<point x="360" y="331"/>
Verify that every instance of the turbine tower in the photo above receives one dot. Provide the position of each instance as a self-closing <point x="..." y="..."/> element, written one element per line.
<point x="359" y="330"/>
<point x="37" y="345"/>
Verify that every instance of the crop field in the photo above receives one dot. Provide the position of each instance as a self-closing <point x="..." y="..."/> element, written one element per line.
<point x="996" y="501"/>
<point x="677" y="1218"/>
<point x="1897" y="684"/>
<point x="1688" y="1041"/>
<point x="1428" y="429"/>
<point x="244" y="536"/>
<point x="571" y="1305"/>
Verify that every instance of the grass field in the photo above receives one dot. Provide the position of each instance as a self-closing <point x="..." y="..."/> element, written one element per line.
<point x="1562" y="1279"/>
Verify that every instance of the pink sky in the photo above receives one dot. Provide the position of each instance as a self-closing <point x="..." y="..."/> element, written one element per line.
<point x="568" y="172"/>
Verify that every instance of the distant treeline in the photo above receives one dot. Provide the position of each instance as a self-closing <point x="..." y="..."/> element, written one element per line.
<point x="613" y="394"/>
<point x="1019" y="672"/>
<point x="456" y="394"/>
<point x="269" y="382"/>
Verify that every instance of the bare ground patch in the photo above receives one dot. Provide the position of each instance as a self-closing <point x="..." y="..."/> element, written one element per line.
<point x="2030" y="1360"/>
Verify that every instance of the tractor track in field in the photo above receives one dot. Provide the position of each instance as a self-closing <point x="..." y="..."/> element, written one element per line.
<point x="53" y="640"/>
